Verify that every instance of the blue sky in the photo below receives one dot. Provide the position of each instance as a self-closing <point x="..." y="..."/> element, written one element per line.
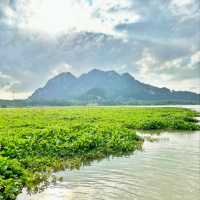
<point x="157" y="41"/>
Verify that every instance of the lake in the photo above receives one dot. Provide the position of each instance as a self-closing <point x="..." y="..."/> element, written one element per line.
<point x="166" y="169"/>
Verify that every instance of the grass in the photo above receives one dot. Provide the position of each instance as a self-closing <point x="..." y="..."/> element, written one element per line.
<point x="36" y="141"/>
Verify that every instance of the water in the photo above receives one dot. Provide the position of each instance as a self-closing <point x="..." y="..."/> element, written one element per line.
<point x="168" y="169"/>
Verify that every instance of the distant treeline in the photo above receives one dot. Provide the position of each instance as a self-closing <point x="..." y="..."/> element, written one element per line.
<point x="29" y="103"/>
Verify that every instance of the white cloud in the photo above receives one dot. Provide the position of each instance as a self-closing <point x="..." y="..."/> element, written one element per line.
<point x="115" y="12"/>
<point x="57" y="17"/>
<point x="181" y="3"/>
<point x="5" y="94"/>
<point x="41" y="38"/>
<point x="183" y="85"/>
<point x="185" y="9"/>
<point x="146" y="63"/>
<point x="175" y="63"/>
<point x="177" y="74"/>
<point x="186" y="62"/>
<point x="4" y="76"/>
<point x="195" y="59"/>
<point x="6" y="91"/>
<point x="147" y="66"/>
<point x="60" y="69"/>
<point x="6" y="81"/>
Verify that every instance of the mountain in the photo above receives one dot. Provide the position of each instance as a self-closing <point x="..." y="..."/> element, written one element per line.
<point x="107" y="87"/>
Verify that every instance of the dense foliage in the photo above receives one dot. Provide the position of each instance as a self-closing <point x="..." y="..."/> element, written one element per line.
<point x="36" y="141"/>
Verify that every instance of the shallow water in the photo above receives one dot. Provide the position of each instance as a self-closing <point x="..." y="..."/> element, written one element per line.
<point x="168" y="169"/>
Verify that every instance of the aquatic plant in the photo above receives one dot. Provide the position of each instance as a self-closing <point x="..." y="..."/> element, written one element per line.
<point x="36" y="141"/>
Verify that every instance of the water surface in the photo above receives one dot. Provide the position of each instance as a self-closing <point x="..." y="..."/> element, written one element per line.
<point x="167" y="169"/>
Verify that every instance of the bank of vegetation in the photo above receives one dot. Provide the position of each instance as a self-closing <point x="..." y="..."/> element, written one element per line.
<point x="34" y="142"/>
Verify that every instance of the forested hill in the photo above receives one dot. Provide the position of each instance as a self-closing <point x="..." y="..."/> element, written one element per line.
<point x="107" y="86"/>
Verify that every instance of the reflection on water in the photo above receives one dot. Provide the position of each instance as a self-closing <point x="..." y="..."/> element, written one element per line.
<point x="168" y="169"/>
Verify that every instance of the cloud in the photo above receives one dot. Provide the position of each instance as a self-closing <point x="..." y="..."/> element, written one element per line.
<point x="5" y="94"/>
<point x="154" y="40"/>
<point x="185" y="8"/>
<point x="60" y="69"/>
<point x="195" y="59"/>
<point x="184" y="70"/>
<point x="61" y="16"/>
<point x="7" y="84"/>
<point x="174" y="22"/>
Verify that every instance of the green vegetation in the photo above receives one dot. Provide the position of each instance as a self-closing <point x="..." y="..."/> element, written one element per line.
<point x="36" y="141"/>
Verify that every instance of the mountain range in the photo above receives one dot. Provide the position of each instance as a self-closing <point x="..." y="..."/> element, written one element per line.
<point x="107" y="87"/>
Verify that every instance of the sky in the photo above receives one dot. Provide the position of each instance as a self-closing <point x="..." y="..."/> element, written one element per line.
<point x="156" y="41"/>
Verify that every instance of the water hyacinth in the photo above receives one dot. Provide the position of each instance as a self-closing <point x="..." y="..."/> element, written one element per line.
<point x="34" y="142"/>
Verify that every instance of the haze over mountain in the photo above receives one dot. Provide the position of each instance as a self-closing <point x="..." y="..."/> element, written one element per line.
<point x="98" y="86"/>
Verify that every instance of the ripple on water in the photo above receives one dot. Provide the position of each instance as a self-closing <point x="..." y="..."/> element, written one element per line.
<point x="166" y="169"/>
